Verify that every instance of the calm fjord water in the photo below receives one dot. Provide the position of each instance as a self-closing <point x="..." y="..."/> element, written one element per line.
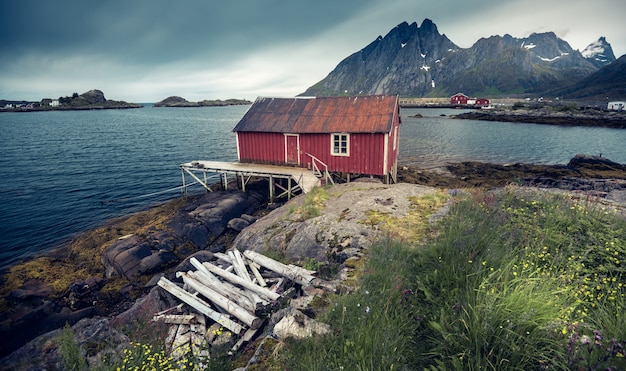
<point x="65" y="172"/>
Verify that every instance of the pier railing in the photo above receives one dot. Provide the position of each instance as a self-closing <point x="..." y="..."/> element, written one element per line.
<point x="318" y="172"/>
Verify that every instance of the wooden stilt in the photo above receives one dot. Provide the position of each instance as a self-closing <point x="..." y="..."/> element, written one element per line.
<point x="304" y="179"/>
<point x="289" y="189"/>
<point x="184" y="185"/>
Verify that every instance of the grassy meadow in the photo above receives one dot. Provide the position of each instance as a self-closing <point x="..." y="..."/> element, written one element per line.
<point x="511" y="279"/>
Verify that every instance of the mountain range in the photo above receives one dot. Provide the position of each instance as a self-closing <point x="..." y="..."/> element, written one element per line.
<point x="418" y="61"/>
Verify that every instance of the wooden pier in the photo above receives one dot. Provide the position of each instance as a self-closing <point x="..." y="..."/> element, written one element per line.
<point x="297" y="179"/>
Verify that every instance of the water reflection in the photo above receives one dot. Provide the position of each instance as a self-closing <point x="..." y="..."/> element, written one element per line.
<point x="435" y="139"/>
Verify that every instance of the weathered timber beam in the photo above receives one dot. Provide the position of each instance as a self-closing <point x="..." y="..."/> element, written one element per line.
<point x="221" y="288"/>
<point x="200" y="305"/>
<point x="284" y="270"/>
<point x="205" y="185"/>
<point x="255" y="271"/>
<point x="262" y="291"/>
<point x="239" y="264"/>
<point x="223" y="302"/>
<point x="177" y="319"/>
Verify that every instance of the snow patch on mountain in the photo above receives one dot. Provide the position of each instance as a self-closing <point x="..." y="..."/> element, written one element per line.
<point x="593" y="49"/>
<point x="549" y="59"/>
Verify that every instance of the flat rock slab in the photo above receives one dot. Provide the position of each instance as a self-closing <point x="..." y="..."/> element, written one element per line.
<point x="341" y="223"/>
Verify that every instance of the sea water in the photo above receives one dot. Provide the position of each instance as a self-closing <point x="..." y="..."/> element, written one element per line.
<point x="64" y="172"/>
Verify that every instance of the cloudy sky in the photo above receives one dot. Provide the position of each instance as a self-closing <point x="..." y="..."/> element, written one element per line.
<point x="144" y="51"/>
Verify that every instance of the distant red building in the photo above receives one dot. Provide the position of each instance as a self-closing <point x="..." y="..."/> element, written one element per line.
<point x="351" y="135"/>
<point x="462" y="99"/>
<point x="459" y="98"/>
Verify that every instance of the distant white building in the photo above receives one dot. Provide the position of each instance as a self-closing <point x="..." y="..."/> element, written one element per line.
<point x="54" y="103"/>
<point x="616" y="106"/>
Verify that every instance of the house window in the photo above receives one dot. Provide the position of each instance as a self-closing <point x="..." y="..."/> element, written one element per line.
<point x="340" y="144"/>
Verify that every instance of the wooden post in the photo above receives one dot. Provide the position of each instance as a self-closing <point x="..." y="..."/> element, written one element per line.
<point x="289" y="188"/>
<point x="223" y="302"/>
<point x="224" y="288"/>
<point x="242" y="282"/>
<point x="255" y="270"/>
<point x="184" y="185"/>
<point x="297" y="276"/>
<point x="200" y="305"/>
<point x="271" y="189"/>
<point x="239" y="264"/>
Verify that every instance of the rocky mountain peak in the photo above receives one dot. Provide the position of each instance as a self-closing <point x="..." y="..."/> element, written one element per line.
<point x="418" y="61"/>
<point x="599" y="52"/>
<point x="383" y="65"/>
<point x="428" y="26"/>
<point x="546" y="47"/>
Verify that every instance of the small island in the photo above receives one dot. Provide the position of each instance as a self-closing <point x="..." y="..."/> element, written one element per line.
<point x="175" y="101"/>
<point x="92" y="100"/>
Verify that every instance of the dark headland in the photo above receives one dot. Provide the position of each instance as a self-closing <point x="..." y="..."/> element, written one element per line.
<point x="561" y="114"/>
<point x="92" y="100"/>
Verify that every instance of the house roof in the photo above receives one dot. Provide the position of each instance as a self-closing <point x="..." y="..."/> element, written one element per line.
<point x="459" y="94"/>
<point x="362" y="114"/>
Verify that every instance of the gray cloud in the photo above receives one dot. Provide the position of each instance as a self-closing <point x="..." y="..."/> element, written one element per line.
<point x="147" y="50"/>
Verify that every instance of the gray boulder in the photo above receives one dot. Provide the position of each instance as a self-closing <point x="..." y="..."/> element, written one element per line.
<point x="339" y="232"/>
<point x="132" y="256"/>
<point x="207" y="218"/>
<point x="238" y="224"/>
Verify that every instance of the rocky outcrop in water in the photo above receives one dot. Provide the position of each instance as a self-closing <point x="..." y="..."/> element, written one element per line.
<point x="590" y="117"/>
<point x="176" y="101"/>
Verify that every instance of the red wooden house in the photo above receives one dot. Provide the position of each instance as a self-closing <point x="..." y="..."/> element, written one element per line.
<point x="459" y="98"/>
<point x="347" y="135"/>
<point x="462" y="99"/>
<point x="482" y="102"/>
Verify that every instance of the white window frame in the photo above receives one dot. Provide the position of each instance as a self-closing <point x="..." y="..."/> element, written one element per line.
<point x="344" y="142"/>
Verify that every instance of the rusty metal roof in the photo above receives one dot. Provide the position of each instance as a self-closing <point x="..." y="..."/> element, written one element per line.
<point x="362" y="114"/>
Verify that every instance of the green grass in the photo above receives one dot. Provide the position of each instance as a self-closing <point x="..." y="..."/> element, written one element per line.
<point x="313" y="204"/>
<point x="70" y="350"/>
<point x="371" y="325"/>
<point x="511" y="282"/>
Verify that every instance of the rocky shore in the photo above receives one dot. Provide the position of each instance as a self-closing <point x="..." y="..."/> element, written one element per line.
<point x="175" y="101"/>
<point x="104" y="283"/>
<point x="552" y="116"/>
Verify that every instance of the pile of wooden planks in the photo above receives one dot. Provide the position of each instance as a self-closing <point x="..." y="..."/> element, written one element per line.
<point x="236" y="291"/>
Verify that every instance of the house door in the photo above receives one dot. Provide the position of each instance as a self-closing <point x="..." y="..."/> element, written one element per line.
<point x="292" y="149"/>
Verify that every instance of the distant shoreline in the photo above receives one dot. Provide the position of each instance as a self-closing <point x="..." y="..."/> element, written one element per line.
<point x="594" y="118"/>
<point x="90" y="108"/>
